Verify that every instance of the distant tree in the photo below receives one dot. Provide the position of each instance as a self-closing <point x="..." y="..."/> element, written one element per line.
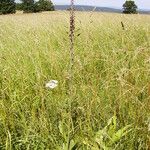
<point x="37" y="7"/>
<point x="19" y="6"/>
<point x="7" y="6"/>
<point x="28" y="6"/>
<point x="129" y="7"/>
<point x="45" y="5"/>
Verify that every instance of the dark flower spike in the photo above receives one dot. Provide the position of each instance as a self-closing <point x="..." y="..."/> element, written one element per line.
<point x="71" y="35"/>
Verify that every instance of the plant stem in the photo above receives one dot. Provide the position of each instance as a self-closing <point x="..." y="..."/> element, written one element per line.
<point x="71" y="36"/>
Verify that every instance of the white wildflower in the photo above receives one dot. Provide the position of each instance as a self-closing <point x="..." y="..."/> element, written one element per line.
<point x="52" y="84"/>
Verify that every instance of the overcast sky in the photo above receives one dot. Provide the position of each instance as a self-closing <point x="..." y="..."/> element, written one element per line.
<point x="142" y="4"/>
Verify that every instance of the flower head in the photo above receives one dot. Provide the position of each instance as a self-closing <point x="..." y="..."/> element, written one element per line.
<point x="51" y="84"/>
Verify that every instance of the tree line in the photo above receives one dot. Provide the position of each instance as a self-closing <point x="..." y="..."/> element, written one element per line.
<point x="32" y="6"/>
<point x="27" y="6"/>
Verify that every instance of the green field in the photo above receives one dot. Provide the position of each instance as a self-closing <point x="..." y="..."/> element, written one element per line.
<point x="109" y="108"/>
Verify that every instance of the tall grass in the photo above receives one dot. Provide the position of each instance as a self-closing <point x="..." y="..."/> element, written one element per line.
<point x="111" y="106"/>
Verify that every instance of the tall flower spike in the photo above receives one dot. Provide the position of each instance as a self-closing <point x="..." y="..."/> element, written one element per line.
<point x="72" y="28"/>
<point x="71" y="37"/>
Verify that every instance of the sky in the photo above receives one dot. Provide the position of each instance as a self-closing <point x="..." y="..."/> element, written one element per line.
<point x="142" y="4"/>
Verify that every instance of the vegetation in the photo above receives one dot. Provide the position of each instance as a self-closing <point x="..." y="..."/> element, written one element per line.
<point x="7" y="7"/>
<point x="111" y="82"/>
<point x="45" y="5"/>
<point x="19" y="6"/>
<point x="30" y="6"/>
<point x="129" y="7"/>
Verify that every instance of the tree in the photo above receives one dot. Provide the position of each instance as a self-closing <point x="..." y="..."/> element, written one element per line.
<point x="45" y="5"/>
<point x="129" y="7"/>
<point x="28" y="6"/>
<point x="19" y="6"/>
<point x="7" y="6"/>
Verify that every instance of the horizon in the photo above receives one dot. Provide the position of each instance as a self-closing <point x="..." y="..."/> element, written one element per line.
<point x="145" y="4"/>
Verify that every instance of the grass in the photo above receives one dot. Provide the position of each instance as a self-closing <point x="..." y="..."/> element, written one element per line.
<point x="111" y="85"/>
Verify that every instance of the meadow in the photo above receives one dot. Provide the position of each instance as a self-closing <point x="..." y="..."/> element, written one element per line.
<point x="109" y="108"/>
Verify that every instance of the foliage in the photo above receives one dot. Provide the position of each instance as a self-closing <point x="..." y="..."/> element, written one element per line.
<point x="45" y="5"/>
<point x="129" y="7"/>
<point x="29" y="6"/>
<point x="7" y="6"/>
<point x="19" y="6"/>
<point x="108" y="137"/>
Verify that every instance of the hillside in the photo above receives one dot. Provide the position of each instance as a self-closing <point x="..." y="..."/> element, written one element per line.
<point x="92" y="8"/>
